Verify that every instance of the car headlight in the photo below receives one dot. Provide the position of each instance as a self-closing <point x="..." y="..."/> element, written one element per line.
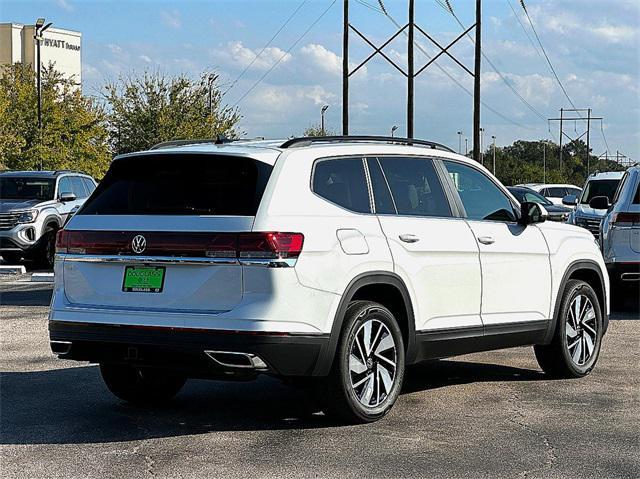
<point x="28" y="216"/>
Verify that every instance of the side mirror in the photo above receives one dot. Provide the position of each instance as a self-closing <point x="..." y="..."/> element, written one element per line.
<point x="66" y="197"/>
<point x="599" y="203"/>
<point x="570" y="200"/>
<point x="531" y="213"/>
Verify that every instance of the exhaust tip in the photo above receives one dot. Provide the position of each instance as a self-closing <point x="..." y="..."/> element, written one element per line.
<point x="61" y="347"/>
<point x="630" y="277"/>
<point x="232" y="359"/>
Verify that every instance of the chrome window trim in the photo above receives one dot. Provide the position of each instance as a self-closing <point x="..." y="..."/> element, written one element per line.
<point x="180" y="260"/>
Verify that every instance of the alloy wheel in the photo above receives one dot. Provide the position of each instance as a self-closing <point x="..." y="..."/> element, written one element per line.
<point x="581" y="329"/>
<point x="372" y="363"/>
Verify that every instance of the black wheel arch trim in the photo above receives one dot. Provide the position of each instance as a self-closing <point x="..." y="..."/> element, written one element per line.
<point x="572" y="268"/>
<point x="50" y="219"/>
<point x="324" y="364"/>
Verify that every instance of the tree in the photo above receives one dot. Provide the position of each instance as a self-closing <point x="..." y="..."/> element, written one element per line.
<point x="152" y="108"/>
<point x="316" y="130"/>
<point x="74" y="135"/>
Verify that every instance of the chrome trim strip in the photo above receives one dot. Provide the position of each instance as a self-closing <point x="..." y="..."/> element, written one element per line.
<point x="255" y="362"/>
<point x="127" y="259"/>
<point x="81" y="258"/>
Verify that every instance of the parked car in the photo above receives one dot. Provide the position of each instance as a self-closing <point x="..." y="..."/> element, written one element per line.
<point x="620" y="235"/>
<point x="336" y="261"/>
<point x="554" y="192"/>
<point x="555" y="212"/>
<point x="34" y="205"/>
<point x="594" y="201"/>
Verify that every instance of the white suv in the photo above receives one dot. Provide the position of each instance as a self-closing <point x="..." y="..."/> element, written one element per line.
<point x="343" y="259"/>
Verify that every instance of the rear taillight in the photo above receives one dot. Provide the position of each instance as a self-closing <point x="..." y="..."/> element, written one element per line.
<point x="61" y="241"/>
<point x="270" y="245"/>
<point x="263" y="245"/>
<point x="625" y="219"/>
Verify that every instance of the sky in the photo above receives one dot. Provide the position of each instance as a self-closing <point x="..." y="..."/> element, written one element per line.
<point x="593" y="46"/>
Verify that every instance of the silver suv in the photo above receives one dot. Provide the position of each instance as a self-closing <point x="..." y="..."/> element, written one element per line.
<point x="33" y="206"/>
<point x="620" y="233"/>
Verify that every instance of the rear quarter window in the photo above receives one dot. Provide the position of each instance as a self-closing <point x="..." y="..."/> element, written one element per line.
<point x="342" y="181"/>
<point x="180" y="184"/>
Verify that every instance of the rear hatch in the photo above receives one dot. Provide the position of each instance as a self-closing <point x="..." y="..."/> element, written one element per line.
<point x="162" y="232"/>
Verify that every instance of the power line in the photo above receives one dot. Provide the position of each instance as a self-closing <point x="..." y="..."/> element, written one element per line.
<point x="515" y="14"/>
<point x="265" y="46"/>
<point x="449" y="9"/>
<point x="293" y="45"/>
<point x="547" y="56"/>
<point x="451" y="77"/>
<point x="369" y="6"/>
<point x="603" y="136"/>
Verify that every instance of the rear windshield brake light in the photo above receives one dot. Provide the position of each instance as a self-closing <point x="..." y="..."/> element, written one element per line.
<point x="259" y="245"/>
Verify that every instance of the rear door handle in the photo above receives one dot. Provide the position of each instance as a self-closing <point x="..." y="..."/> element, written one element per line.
<point x="409" y="238"/>
<point x="486" y="239"/>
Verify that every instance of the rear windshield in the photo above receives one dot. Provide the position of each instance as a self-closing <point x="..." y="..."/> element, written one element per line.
<point x="180" y="185"/>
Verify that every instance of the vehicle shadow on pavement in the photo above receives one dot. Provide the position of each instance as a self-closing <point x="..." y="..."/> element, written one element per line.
<point x="33" y="297"/>
<point x="72" y="405"/>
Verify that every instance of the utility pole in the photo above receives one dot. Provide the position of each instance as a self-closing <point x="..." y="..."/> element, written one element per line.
<point x="544" y="162"/>
<point x="476" y="83"/>
<point x="563" y="119"/>
<point x="411" y="74"/>
<point x="493" y="137"/>
<point x="345" y="69"/>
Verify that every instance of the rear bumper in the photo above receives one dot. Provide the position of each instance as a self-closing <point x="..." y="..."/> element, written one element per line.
<point x="183" y="349"/>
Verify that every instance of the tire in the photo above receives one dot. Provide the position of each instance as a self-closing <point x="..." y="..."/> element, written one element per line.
<point x="12" y="257"/>
<point x="47" y="251"/>
<point x="575" y="347"/>
<point x="142" y="386"/>
<point x="368" y="369"/>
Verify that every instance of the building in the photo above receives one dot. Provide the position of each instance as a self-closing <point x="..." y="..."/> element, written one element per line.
<point x="60" y="47"/>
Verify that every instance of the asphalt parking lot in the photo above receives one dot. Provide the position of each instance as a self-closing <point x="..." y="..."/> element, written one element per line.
<point x="482" y="415"/>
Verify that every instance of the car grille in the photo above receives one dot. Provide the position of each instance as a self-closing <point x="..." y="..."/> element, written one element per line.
<point x="8" y="220"/>
<point x="592" y="224"/>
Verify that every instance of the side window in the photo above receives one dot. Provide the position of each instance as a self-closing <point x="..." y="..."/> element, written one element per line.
<point x="636" y="197"/>
<point x="342" y="182"/>
<point x="481" y="197"/>
<point x="544" y="192"/>
<point x="415" y="186"/>
<point x="64" y="186"/>
<point x="88" y="184"/>
<point x="381" y="194"/>
<point x="78" y="187"/>
<point x="574" y="191"/>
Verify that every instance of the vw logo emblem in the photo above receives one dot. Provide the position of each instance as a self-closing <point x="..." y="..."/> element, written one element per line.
<point x="138" y="244"/>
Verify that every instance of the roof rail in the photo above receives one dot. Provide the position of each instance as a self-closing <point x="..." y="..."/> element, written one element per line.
<point x="219" y="140"/>
<point x="309" y="140"/>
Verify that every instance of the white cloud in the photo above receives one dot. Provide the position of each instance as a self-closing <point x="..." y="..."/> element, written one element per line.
<point x="65" y="5"/>
<point x="323" y="58"/>
<point x="171" y="18"/>
<point x="236" y="53"/>
<point x="145" y="58"/>
<point x="115" y="49"/>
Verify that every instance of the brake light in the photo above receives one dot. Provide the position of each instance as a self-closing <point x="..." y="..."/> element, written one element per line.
<point x="270" y="245"/>
<point x="263" y="245"/>
<point x="621" y="219"/>
<point x="62" y="237"/>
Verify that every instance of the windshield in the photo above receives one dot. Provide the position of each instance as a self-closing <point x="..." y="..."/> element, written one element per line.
<point x="599" y="188"/>
<point x="25" y="188"/>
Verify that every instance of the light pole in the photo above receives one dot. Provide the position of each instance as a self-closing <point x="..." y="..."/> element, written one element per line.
<point x="481" y="146"/>
<point x="459" y="142"/>
<point x="393" y="130"/>
<point x="466" y="146"/>
<point x="322" y="110"/>
<point x="210" y="79"/>
<point x="493" y="137"/>
<point x="544" y="162"/>
<point x="40" y="28"/>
